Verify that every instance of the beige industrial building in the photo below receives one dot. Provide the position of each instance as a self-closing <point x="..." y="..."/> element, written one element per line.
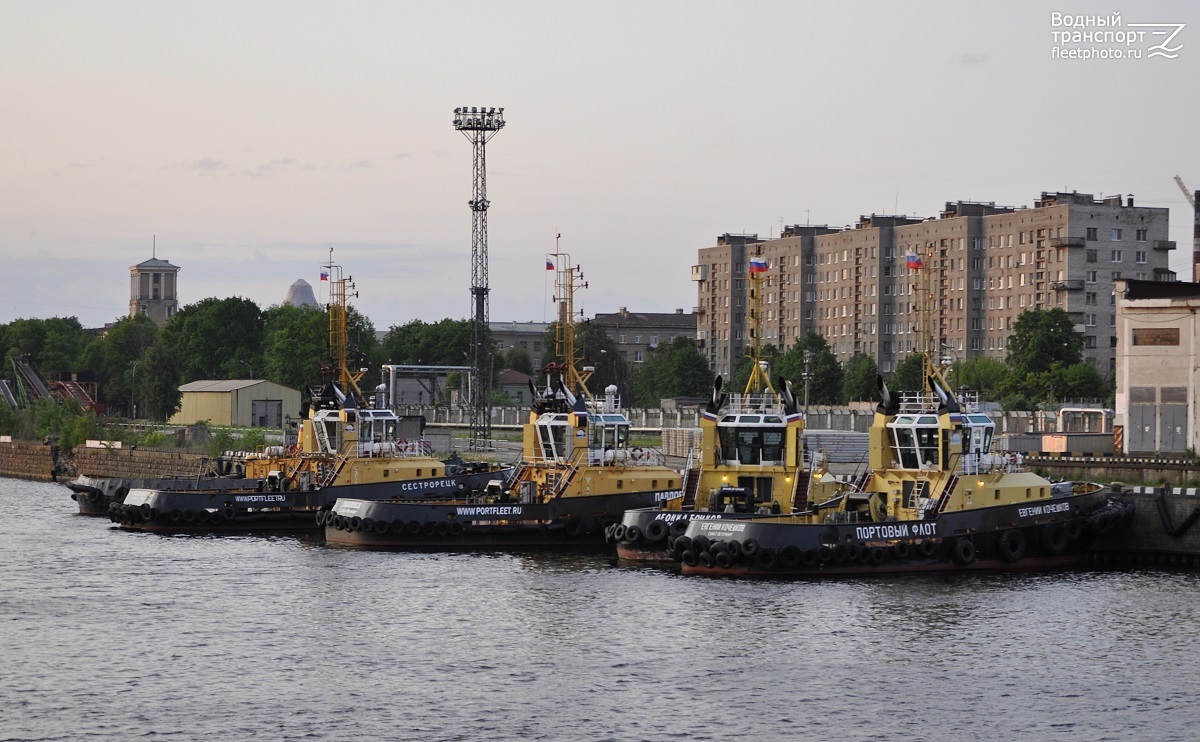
<point x="985" y="264"/>
<point x="237" y="402"/>
<point x="1158" y="348"/>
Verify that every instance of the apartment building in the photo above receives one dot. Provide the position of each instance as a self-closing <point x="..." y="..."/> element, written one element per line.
<point x="981" y="265"/>
<point x="638" y="334"/>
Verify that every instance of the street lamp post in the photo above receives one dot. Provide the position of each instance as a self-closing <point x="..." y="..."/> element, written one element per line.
<point x="133" y="389"/>
<point x="249" y="368"/>
<point x="807" y="376"/>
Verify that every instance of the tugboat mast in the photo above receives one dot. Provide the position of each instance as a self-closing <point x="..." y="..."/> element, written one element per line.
<point x="759" y="380"/>
<point x="567" y="278"/>
<point x="340" y="288"/>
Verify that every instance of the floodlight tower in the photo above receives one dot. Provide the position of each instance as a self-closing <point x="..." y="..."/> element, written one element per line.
<point x="479" y="125"/>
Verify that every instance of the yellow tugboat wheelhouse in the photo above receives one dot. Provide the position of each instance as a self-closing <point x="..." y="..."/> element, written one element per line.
<point x="750" y="459"/>
<point x="344" y="446"/>
<point x="579" y="470"/>
<point x="934" y="497"/>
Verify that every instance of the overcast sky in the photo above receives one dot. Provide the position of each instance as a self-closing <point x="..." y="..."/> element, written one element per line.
<point x="251" y="136"/>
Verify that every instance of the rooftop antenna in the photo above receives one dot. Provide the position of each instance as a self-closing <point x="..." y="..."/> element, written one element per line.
<point x="154" y="246"/>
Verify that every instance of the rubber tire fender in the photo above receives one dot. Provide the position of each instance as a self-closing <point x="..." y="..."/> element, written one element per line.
<point x="678" y="527"/>
<point x="1012" y="545"/>
<point x="1054" y="537"/>
<point x="750" y="547"/>
<point x="656" y="531"/>
<point x="964" y="551"/>
<point x="633" y="534"/>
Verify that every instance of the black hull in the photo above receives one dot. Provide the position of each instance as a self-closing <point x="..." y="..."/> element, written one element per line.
<point x="96" y="495"/>
<point x="252" y="509"/>
<point x="643" y="535"/>
<point x="1164" y="531"/>
<point x="1051" y="534"/>
<point x="563" y="524"/>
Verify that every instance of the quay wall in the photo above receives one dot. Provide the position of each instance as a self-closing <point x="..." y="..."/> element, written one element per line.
<point x="1139" y="470"/>
<point x="29" y="460"/>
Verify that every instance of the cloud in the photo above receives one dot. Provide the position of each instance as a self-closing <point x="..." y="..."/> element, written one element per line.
<point x="970" y="59"/>
<point x="203" y="165"/>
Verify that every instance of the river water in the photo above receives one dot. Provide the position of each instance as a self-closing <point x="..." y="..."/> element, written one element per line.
<point x="113" y="635"/>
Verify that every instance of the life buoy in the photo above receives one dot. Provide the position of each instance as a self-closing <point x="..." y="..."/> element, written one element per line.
<point x="1012" y="545"/>
<point x="964" y="551"/>
<point x="637" y="454"/>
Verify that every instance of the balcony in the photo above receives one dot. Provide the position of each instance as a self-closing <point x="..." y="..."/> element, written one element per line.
<point x="1066" y="242"/>
<point x="1074" y="284"/>
<point x="699" y="272"/>
<point x="1164" y="244"/>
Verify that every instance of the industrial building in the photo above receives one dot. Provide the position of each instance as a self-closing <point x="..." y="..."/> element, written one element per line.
<point x="986" y="264"/>
<point x="1158" y="342"/>
<point x="237" y="402"/>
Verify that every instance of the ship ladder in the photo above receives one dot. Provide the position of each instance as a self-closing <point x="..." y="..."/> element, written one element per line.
<point x="335" y="471"/>
<point x="803" y="479"/>
<point x="563" y="481"/>
<point x="691" y="481"/>
<point x="945" y="498"/>
<point x="322" y="437"/>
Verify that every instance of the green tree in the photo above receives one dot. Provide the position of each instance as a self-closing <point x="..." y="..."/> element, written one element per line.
<point x="1040" y="338"/>
<point x="112" y="357"/>
<point x="157" y="390"/>
<point x="909" y="375"/>
<point x="825" y="382"/>
<point x="676" y="369"/>
<point x="443" y="343"/>
<point x="983" y="374"/>
<point x="861" y="381"/>
<point x="295" y="346"/>
<point x="517" y="359"/>
<point x="213" y="337"/>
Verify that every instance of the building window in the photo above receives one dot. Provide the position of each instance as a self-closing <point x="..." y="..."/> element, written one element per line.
<point x="637" y="357"/>
<point x="1093" y="255"/>
<point x="1090" y="320"/>
<point x="1116" y="256"/>
<point x="1089" y="342"/>
<point x="621" y="339"/>
<point x="1091" y="276"/>
<point x="1092" y="234"/>
<point x="1116" y="235"/>
<point x="1141" y="256"/>
<point x="1089" y="298"/>
<point x="1141" y="235"/>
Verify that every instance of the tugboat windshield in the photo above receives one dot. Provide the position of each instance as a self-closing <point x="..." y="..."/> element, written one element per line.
<point x="552" y="435"/>
<point x="743" y="442"/>
<point x="915" y="439"/>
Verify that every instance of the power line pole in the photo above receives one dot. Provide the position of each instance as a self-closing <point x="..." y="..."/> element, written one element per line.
<point x="479" y="125"/>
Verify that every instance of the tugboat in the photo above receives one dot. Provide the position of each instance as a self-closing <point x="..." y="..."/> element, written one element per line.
<point x="750" y="461"/>
<point x="344" y="447"/>
<point x="95" y="494"/>
<point x="934" y="498"/>
<point x="578" y="473"/>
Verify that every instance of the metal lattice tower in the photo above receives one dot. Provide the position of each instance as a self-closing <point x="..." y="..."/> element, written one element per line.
<point x="479" y="125"/>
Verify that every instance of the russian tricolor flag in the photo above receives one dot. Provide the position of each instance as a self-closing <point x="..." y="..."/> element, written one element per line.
<point x="758" y="265"/>
<point x="549" y="264"/>
<point x="913" y="261"/>
<point x="324" y="275"/>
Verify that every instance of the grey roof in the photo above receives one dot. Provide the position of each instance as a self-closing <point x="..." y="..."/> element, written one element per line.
<point x="219" y="385"/>
<point x="300" y="294"/>
<point x="649" y="319"/>
<point x="153" y="263"/>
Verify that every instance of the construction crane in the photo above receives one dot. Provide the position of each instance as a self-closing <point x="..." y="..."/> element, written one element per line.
<point x="1191" y="197"/>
